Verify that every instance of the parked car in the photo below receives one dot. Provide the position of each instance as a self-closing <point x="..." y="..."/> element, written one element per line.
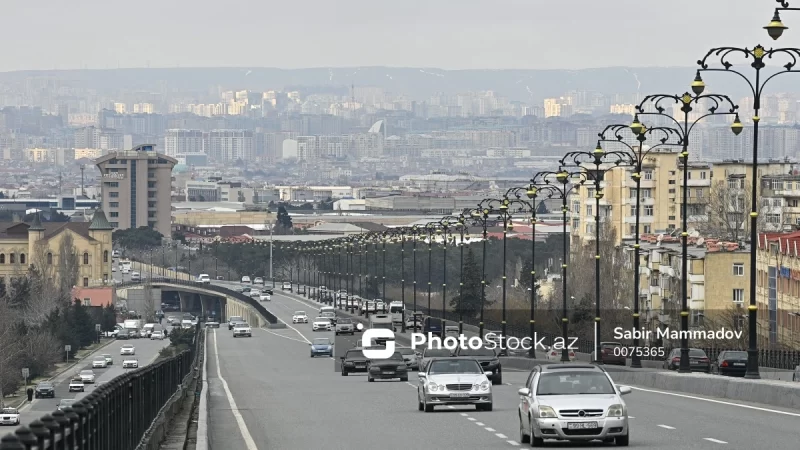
<point x="258" y="280"/>
<point x="730" y="363"/>
<point x="287" y="286"/>
<point x="246" y="279"/>
<point x="698" y="360"/>
<point x="611" y="353"/>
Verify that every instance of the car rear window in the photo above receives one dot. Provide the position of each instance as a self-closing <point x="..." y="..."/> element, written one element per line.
<point x="697" y="353"/>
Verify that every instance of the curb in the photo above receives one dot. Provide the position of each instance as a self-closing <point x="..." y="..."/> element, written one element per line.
<point x="201" y="437"/>
<point x="68" y="368"/>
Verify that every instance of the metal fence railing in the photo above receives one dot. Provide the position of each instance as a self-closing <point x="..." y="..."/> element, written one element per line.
<point x="114" y="416"/>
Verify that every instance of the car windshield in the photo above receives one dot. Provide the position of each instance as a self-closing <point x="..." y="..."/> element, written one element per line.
<point x="106" y="355"/>
<point x="236" y="319"/>
<point x="299" y="313"/>
<point x="87" y="372"/>
<point x="476" y="352"/>
<point x="127" y="346"/>
<point x="327" y="314"/>
<point x="610" y="345"/>
<point x="345" y="321"/>
<point x="697" y="353"/>
<point x="66" y="402"/>
<point x="100" y="358"/>
<point x="45" y="385"/>
<point x="738" y="355"/>
<point x="437" y="352"/>
<point x="454" y="366"/>
<point x="10" y="411"/>
<point x="355" y="354"/>
<point x="405" y="351"/>
<point x="574" y="383"/>
<point x="242" y="325"/>
<point x="322" y="341"/>
<point x="322" y="319"/>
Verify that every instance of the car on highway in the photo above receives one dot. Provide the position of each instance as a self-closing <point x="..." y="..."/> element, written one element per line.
<point x="345" y="326"/>
<point x="65" y="403"/>
<point x="730" y="362"/>
<point x="87" y="376"/>
<point x="555" y="354"/>
<point x="321" y="324"/>
<point x="9" y="416"/>
<point x="698" y="360"/>
<point x="330" y="315"/>
<point x="233" y="320"/>
<point x="99" y="362"/>
<point x="258" y="280"/>
<point x="410" y="357"/>
<point x="287" y="286"/>
<point x="76" y="385"/>
<point x="124" y="334"/>
<point x="109" y="359"/>
<point x="572" y="403"/>
<point x="130" y="363"/>
<point x="212" y="324"/>
<point x="414" y="320"/>
<point x="299" y="317"/>
<point x="136" y="276"/>
<point x="246" y="279"/>
<point x="254" y="293"/>
<point x="451" y="330"/>
<point x="243" y="289"/>
<point x="389" y="368"/>
<point x="429" y="353"/>
<point x="611" y="353"/>
<point x="321" y="347"/>
<point x="44" y="389"/>
<point x="264" y="297"/>
<point x="203" y="278"/>
<point x="157" y="335"/>
<point x="127" y="349"/>
<point x="242" y="329"/>
<point x="354" y="361"/>
<point x="454" y="381"/>
<point x="488" y="359"/>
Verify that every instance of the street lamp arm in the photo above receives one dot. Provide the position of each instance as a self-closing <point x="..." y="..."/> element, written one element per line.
<point x="759" y="54"/>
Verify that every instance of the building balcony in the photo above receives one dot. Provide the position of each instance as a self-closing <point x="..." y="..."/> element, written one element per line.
<point x="655" y="290"/>
<point x="698" y="183"/>
<point x="696" y="278"/>
<point x="697" y="201"/>
<point x="643" y="220"/>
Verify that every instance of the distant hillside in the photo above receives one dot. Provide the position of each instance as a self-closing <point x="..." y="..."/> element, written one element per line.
<point x="420" y="84"/>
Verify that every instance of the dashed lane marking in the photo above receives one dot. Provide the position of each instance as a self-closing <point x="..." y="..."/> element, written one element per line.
<point x="514" y="443"/>
<point x="490" y="430"/>
<point x="464" y="414"/>
<point x="775" y="411"/>
<point x="285" y="337"/>
<point x="667" y="427"/>
<point x="480" y="424"/>
<point x="501" y="435"/>
<point x="717" y="441"/>
<point x="471" y="418"/>
<point x="248" y="439"/>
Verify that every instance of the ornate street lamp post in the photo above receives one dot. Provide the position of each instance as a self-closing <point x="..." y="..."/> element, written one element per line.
<point x="481" y="216"/>
<point x="500" y="206"/>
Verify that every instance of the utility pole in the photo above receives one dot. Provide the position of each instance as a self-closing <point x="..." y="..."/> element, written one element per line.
<point x="83" y="190"/>
<point x="60" y="191"/>
<point x="271" y="228"/>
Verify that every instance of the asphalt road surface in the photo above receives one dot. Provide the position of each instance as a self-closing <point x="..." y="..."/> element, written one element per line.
<point x="146" y="351"/>
<point x="267" y="393"/>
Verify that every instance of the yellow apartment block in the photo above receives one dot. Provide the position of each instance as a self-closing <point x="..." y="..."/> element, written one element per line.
<point x="197" y="217"/>
<point x="23" y="245"/>
<point x="778" y="289"/>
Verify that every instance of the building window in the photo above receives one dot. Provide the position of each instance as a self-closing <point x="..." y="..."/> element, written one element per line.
<point x="49" y="259"/>
<point x="671" y="182"/>
<point x="648" y="174"/>
<point x="105" y="256"/>
<point x="87" y="302"/>
<point x="689" y="176"/>
<point x="151" y="194"/>
<point x="12" y="258"/>
<point x="151" y="184"/>
<point x="22" y="258"/>
<point x="738" y="296"/>
<point x="647" y="229"/>
<point x="589" y="210"/>
<point x="113" y="194"/>
<point x="697" y="317"/>
<point x="85" y="282"/>
<point x="113" y="184"/>
<point x="2" y="258"/>
<point x="633" y="210"/>
<point x="113" y="214"/>
<point x="648" y="210"/>
<point x="86" y="257"/>
<point x="738" y="269"/>
<point x="702" y="175"/>
<point x="113" y="205"/>
<point x="114" y="224"/>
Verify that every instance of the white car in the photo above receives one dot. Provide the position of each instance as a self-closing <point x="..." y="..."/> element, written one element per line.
<point x="204" y="278"/>
<point x="299" y="317"/>
<point x="157" y="335"/>
<point x="258" y="280"/>
<point x="554" y="354"/>
<point x="87" y="376"/>
<point x="322" y="323"/>
<point x="287" y="286"/>
<point x="255" y="293"/>
<point x="246" y="279"/>
<point x="76" y="385"/>
<point x="572" y="403"/>
<point x="127" y="349"/>
<point x="130" y="363"/>
<point x="264" y="297"/>
<point x="100" y="362"/>
<point x="454" y="381"/>
<point x="136" y="276"/>
<point x="242" y="329"/>
<point x="9" y="416"/>
<point x="109" y="359"/>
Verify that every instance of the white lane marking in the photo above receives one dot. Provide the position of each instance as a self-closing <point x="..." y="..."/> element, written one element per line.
<point x="285" y="337"/>
<point x="451" y="407"/>
<point x="480" y="424"/>
<point x="631" y="417"/>
<point x="491" y="430"/>
<point x="408" y="383"/>
<point x="501" y="435"/>
<point x="775" y="411"/>
<point x="667" y="427"/>
<point x="717" y="441"/>
<point x="471" y="418"/>
<point x="464" y="414"/>
<point x="302" y="302"/>
<point x="248" y="439"/>
<point x="514" y="443"/>
<point x="508" y="384"/>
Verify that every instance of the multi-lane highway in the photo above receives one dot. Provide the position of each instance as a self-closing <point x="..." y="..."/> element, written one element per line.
<point x="267" y="393"/>
<point x="146" y="352"/>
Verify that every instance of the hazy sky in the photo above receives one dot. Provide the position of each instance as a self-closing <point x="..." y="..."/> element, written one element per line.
<point x="449" y="34"/>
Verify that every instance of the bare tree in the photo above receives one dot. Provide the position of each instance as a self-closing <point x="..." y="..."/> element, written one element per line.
<point x="41" y="262"/>
<point x="68" y="264"/>
<point x="728" y="209"/>
<point x="149" y="313"/>
<point x="11" y="347"/>
<point x="733" y="318"/>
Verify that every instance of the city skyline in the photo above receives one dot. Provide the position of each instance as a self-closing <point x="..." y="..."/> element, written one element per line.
<point x="361" y="33"/>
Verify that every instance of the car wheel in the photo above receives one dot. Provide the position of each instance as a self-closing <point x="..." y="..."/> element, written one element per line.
<point x="312" y="355"/>
<point x="497" y="379"/>
<point x="370" y="379"/>
<point x="428" y="408"/>
<point x="420" y="406"/>
<point x="523" y="437"/>
<point x="623" y="441"/>
<point x="404" y="379"/>
<point x="537" y="442"/>
<point x="344" y="373"/>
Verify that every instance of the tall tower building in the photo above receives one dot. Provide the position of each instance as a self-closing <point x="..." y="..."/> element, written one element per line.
<point x="137" y="188"/>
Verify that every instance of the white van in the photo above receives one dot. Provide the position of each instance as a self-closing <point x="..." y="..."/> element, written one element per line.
<point x="329" y="309"/>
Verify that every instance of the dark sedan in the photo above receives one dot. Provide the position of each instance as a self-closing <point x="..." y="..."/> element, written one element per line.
<point x="698" y="360"/>
<point x="354" y="361"/>
<point x="730" y="363"/>
<point x="612" y="353"/>
<point x="394" y="367"/>
<point x="45" y="389"/>
<point x="489" y="360"/>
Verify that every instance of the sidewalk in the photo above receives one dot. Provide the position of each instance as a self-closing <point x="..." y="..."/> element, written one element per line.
<point x="60" y="370"/>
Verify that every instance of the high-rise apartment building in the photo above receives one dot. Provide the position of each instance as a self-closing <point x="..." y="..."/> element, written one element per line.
<point x="230" y="145"/>
<point x="137" y="188"/>
<point x="183" y="141"/>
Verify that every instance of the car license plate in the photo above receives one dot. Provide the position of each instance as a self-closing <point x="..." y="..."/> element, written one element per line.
<point x="462" y="395"/>
<point x="581" y="425"/>
<point x="388" y="372"/>
<point x="361" y="365"/>
<point x="738" y="364"/>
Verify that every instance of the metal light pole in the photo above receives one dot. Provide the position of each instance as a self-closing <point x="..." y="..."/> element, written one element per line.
<point x="414" y="235"/>
<point x="759" y="55"/>
<point x="402" y="236"/>
<point x="383" y="250"/>
<point x="595" y="165"/>
<point x="508" y="225"/>
<point x="444" y="228"/>
<point x="481" y="215"/>
<point x="462" y="227"/>
<point x="684" y="127"/>
<point x="430" y="229"/>
<point x="637" y="155"/>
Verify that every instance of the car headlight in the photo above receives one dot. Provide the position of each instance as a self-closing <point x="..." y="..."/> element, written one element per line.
<point x="546" y="412"/>
<point x="433" y="387"/>
<point x="616" y="411"/>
